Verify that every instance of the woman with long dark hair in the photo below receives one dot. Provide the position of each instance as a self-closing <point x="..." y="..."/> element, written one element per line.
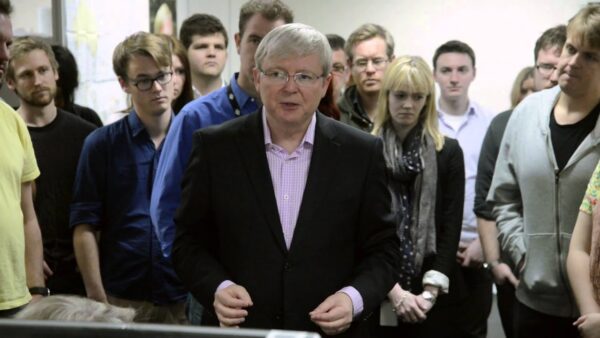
<point x="68" y="81"/>
<point x="182" y="80"/>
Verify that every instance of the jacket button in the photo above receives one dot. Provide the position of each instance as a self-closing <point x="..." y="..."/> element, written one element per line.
<point x="287" y="266"/>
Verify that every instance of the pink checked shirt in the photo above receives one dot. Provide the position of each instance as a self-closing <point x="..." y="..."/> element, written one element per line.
<point x="288" y="174"/>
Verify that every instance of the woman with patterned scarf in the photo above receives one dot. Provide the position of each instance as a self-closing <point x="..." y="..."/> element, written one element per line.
<point x="427" y="181"/>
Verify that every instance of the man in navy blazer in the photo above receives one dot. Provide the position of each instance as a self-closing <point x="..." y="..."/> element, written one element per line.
<point x="285" y="220"/>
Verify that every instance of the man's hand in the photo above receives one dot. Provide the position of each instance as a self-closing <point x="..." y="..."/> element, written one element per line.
<point x="334" y="315"/>
<point x="470" y="255"/>
<point x="589" y="325"/>
<point x="502" y="274"/>
<point x="230" y="305"/>
<point x="35" y="298"/>
<point x="98" y="294"/>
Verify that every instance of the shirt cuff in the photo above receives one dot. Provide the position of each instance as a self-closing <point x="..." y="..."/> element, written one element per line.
<point x="356" y="298"/>
<point x="224" y="284"/>
<point x="438" y="279"/>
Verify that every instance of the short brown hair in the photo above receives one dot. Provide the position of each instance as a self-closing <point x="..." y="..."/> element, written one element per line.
<point x="203" y="25"/>
<point x="5" y="7"/>
<point x="366" y="32"/>
<point x="555" y="36"/>
<point x="141" y="43"/>
<point x="25" y="45"/>
<point x="270" y="9"/>
<point x="454" y="46"/>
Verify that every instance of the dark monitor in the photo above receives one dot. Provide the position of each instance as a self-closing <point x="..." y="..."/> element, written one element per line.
<point x="55" y="329"/>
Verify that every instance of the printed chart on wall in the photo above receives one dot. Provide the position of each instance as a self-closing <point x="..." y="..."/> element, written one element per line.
<point x="93" y="41"/>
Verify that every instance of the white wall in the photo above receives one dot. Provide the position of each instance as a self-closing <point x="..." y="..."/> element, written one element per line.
<point x="32" y="17"/>
<point x="502" y="32"/>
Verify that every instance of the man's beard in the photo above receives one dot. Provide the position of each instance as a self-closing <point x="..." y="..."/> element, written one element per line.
<point x="38" y="100"/>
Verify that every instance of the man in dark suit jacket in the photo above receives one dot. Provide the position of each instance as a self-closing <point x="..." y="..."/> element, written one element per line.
<point x="285" y="220"/>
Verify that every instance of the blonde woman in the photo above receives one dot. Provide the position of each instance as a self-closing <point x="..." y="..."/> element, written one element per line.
<point x="427" y="181"/>
<point x="522" y="86"/>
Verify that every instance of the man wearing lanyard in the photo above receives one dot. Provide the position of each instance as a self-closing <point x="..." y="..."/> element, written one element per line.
<point x="239" y="98"/>
<point x="274" y="237"/>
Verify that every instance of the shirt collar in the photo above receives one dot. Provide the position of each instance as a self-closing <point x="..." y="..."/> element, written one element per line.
<point x="309" y="136"/>
<point x="471" y="109"/>
<point x="198" y="94"/>
<point x="135" y="124"/>
<point x="240" y="95"/>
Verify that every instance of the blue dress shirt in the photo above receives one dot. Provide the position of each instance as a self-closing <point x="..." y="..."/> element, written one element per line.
<point x="112" y="193"/>
<point x="214" y="108"/>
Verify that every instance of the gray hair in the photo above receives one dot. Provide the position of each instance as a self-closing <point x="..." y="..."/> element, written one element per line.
<point x="294" y="40"/>
<point x="75" y="308"/>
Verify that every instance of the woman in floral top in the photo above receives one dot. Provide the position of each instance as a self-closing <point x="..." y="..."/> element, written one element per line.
<point x="583" y="262"/>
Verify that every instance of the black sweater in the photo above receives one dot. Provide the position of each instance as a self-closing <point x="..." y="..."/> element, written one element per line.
<point x="487" y="163"/>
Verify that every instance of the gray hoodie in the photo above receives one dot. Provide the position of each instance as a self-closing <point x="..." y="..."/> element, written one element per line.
<point x="536" y="206"/>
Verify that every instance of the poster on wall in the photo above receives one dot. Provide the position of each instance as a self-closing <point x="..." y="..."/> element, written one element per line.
<point x="163" y="16"/>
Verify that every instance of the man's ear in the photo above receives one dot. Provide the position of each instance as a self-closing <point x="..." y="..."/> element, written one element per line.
<point x="256" y="78"/>
<point x="326" y="83"/>
<point x="124" y="85"/>
<point x="238" y="41"/>
<point x="10" y="83"/>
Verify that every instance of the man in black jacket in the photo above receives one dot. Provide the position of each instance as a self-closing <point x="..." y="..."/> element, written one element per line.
<point x="271" y="232"/>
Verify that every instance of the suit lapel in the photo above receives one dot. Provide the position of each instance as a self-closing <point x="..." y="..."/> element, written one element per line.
<point x="323" y="166"/>
<point x="251" y="144"/>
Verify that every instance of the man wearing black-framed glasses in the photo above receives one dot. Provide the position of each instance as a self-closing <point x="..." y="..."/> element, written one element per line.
<point x="547" y="54"/>
<point x="113" y="186"/>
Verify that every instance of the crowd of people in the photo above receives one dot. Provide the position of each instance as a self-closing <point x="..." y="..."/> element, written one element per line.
<point x="324" y="187"/>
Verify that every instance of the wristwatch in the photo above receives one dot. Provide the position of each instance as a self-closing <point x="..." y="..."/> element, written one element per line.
<point x="39" y="290"/>
<point x="489" y="266"/>
<point x="428" y="296"/>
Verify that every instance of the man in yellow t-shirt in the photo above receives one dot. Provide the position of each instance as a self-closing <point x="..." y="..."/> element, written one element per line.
<point x="21" y="256"/>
